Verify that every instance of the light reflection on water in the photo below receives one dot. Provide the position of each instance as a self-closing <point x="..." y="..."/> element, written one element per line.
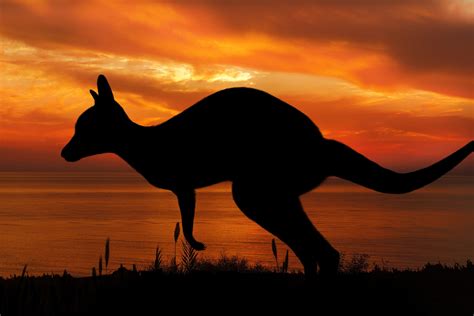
<point x="57" y="221"/>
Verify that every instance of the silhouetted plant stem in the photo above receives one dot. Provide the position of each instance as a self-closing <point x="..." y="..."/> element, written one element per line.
<point x="176" y="236"/>
<point x="158" y="259"/>
<point x="23" y="273"/>
<point x="275" y="254"/>
<point x="100" y="266"/>
<point x="188" y="257"/>
<point x="284" y="268"/>
<point x="107" y="253"/>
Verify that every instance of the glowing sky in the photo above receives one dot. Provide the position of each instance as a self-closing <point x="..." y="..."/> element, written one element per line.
<point x="393" y="79"/>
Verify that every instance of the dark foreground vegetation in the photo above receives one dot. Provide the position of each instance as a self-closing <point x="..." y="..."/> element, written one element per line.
<point x="231" y="285"/>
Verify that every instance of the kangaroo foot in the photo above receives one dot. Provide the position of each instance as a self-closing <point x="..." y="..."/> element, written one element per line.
<point x="329" y="264"/>
<point x="196" y="244"/>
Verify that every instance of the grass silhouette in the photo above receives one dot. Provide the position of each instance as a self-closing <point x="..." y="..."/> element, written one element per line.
<point x="196" y="284"/>
<point x="435" y="289"/>
<point x="107" y="253"/>
<point x="188" y="257"/>
<point x="157" y="264"/>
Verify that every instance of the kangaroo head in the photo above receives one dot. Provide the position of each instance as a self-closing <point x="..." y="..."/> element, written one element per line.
<point x="100" y="128"/>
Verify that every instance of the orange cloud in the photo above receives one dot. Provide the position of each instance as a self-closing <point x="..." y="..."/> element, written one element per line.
<point x="400" y="72"/>
<point x="406" y="41"/>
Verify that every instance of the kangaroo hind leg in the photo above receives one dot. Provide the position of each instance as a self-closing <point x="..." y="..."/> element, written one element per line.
<point x="284" y="217"/>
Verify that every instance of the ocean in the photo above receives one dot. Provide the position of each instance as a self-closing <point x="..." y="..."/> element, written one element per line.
<point x="56" y="221"/>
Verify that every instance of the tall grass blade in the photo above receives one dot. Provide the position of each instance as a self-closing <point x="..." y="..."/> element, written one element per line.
<point x="24" y="271"/>
<point x="176" y="236"/>
<point x="176" y="232"/>
<point x="275" y="253"/>
<point x="158" y="259"/>
<point x="107" y="253"/>
<point x="189" y="257"/>
<point x="100" y="265"/>
<point x="284" y="268"/>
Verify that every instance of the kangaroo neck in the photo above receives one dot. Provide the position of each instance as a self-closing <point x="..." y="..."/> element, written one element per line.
<point x="133" y="145"/>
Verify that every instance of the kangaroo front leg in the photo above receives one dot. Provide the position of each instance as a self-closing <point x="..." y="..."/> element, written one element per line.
<point x="187" y="205"/>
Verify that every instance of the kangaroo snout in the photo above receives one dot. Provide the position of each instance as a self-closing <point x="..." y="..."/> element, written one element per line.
<point x="68" y="154"/>
<point x="65" y="153"/>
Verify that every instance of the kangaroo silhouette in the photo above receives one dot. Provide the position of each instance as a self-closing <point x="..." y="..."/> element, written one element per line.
<point x="270" y="151"/>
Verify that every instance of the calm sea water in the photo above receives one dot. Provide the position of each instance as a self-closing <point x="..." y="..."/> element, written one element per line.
<point x="57" y="221"/>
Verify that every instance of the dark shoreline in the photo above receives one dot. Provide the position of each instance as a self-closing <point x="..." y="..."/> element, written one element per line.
<point x="432" y="290"/>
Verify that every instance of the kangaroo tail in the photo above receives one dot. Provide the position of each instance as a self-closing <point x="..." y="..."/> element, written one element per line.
<point x="348" y="164"/>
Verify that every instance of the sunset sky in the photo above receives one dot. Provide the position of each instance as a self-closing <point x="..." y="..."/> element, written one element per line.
<point x="392" y="79"/>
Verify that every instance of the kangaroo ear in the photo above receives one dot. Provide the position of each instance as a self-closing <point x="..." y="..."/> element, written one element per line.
<point x="94" y="95"/>
<point x="104" y="89"/>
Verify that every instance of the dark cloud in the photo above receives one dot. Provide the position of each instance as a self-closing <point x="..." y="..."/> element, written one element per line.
<point x="419" y="35"/>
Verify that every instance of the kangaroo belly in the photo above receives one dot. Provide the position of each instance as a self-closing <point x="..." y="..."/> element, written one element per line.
<point x="275" y="158"/>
